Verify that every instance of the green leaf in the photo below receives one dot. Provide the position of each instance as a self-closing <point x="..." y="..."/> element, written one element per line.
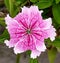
<point x="52" y="55"/>
<point x="56" y="25"/>
<point x="10" y="4"/>
<point x="58" y="49"/>
<point x="57" y="1"/>
<point x="56" y="42"/>
<point x="33" y="60"/>
<point x="2" y="22"/>
<point x="56" y="12"/>
<point x="19" y="2"/>
<point x="42" y="4"/>
<point x="33" y="1"/>
<point x="4" y="36"/>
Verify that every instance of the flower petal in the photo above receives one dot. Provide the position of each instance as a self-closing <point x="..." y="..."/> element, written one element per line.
<point x="25" y="10"/>
<point x="46" y="23"/>
<point x="11" y="43"/>
<point x="20" y="47"/>
<point x="10" y="21"/>
<point x="35" y="53"/>
<point x="51" y="33"/>
<point x="40" y="46"/>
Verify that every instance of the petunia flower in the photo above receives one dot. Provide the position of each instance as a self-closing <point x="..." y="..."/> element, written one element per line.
<point x="28" y="30"/>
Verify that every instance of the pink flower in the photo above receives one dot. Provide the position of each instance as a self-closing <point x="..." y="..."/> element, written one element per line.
<point x="28" y="30"/>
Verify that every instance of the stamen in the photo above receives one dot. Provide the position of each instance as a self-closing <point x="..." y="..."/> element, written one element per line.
<point x="28" y="31"/>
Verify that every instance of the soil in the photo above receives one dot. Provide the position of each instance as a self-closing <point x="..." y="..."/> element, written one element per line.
<point x="7" y="56"/>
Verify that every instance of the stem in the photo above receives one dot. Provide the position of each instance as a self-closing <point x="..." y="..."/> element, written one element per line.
<point x="30" y="59"/>
<point x="18" y="58"/>
<point x="33" y="60"/>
